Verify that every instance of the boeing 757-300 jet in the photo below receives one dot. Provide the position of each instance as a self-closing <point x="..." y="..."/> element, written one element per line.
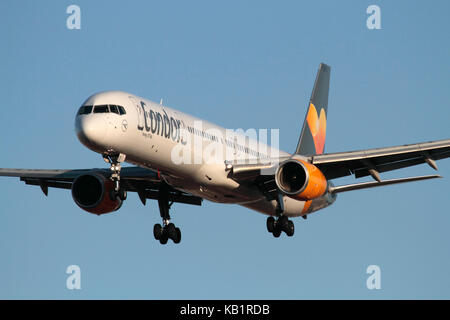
<point x="179" y="158"/>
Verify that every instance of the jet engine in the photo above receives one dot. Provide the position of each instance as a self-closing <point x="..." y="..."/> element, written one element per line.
<point x="300" y="180"/>
<point x="93" y="193"/>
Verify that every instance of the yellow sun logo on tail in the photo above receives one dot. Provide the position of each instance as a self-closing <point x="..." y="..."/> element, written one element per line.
<point x="318" y="127"/>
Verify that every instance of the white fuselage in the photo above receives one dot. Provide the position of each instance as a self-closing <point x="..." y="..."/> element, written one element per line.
<point x="189" y="153"/>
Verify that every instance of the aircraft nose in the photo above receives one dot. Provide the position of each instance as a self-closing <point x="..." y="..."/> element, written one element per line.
<point x="90" y="130"/>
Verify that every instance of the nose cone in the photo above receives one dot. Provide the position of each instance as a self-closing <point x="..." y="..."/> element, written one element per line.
<point x="91" y="130"/>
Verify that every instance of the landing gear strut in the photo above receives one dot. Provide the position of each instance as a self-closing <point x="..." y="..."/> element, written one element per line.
<point x="115" y="161"/>
<point x="167" y="230"/>
<point x="282" y="223"/>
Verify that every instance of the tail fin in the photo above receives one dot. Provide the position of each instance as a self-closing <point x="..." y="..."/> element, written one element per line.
<point x="312" y="138"/>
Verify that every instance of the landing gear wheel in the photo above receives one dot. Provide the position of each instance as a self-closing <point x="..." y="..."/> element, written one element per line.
<point x="290" y="229"/>
<point x="157" y="231"/>
<point x="276" y="232"/>
<point x="164" y="238"/>
<point x="270" y="224"/>
<point x="170" y="230"/>
<point x="283" y="223"/>
<point x="173" y="233"/>
<point x="177" y="237"/>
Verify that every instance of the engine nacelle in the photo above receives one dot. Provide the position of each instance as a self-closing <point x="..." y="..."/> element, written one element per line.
<point x="91" y="192"/>
<point x="300" y="180"/>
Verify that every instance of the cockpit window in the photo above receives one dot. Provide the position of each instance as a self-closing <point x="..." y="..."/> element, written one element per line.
<point x="113" y="108"/>
<point x="85" y="110"/>
<point x="101" y="109"/>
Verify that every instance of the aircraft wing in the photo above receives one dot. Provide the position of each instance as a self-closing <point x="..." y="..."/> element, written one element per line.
<point x="136" y="179"/>
<point x="360" y="163"/>
<point x="374" y="161"/>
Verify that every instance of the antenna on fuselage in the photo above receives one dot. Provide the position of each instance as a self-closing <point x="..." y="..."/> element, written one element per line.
<point x="160" y="102"/>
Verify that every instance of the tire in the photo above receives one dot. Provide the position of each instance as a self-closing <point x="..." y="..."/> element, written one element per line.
<point x="276" y="232"/>
<point x="283" y="223"/>
<point x="163" y="239"/>
<point x="291" y="229"/>
<point x="177" y="237"/>
<point x="170" y="231"/>
<point x="157" y="231"/>
<point x="270" y="224"/>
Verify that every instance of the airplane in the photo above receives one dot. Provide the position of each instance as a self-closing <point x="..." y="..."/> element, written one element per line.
<point x="177" y="158"/>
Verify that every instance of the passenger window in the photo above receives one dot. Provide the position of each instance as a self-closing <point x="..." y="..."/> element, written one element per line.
<point x="113" y="108"/>
<point x="85" y="110"/>
<point x="101" y="109"/>
<point x="121" y="110"/>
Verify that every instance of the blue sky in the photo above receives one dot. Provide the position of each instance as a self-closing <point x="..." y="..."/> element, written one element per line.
<point x="241" y="65"/>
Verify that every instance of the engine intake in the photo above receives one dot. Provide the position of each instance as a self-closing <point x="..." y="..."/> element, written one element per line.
<point x="91" y="192"/>
<point x="300" y="180"/>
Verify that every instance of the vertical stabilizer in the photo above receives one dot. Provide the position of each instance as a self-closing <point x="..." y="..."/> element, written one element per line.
<point x="312" y="137"/>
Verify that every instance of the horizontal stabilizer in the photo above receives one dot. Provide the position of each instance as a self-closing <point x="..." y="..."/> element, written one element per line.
<point x="365" y="185"/>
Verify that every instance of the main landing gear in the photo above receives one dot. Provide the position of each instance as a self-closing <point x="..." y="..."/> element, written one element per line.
<point x="282" y="223"/>
<point x="114" y="161"/>
<point x="167" y="230"/>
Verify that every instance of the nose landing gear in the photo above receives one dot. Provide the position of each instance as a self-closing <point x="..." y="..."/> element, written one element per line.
<point x="115" y="160"/>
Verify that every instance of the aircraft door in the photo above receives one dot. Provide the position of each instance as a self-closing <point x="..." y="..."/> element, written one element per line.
<point x="139" y="112"/>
